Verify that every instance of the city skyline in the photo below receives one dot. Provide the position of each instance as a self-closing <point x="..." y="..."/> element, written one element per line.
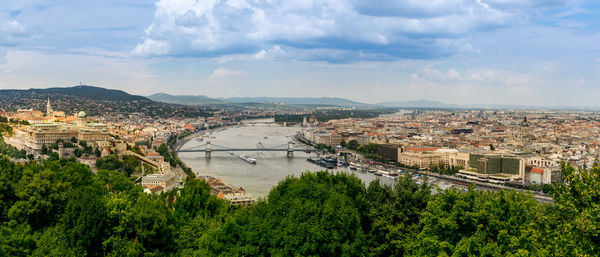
<point x="455" y="51"/>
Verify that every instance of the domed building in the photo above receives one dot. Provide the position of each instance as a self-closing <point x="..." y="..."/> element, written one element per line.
<point x="48" y="133"/>
<point x="81" y="119"/>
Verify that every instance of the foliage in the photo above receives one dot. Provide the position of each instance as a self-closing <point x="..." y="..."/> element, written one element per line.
<point x="442" y="169"/>
<point x="61" y="208"/>
<point x="11" y="151"/>
<point x="352" y="144"/>
<point x="184" y="134"/>
<point x="368" y="149"/>
<point x="127" y="165"/>
<point x="6" y="129"/>
<point x="329" y="148"/>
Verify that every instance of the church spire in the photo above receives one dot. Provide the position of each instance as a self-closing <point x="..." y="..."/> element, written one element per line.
<point x="48" y="108"/>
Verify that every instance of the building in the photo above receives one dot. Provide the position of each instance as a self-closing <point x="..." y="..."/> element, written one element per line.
<point x="335" y="139"/>
<point x="166" y="181"/>
<point x="242" y="198"/>
<point x="38" y="135"/>
<point x="454" y="158"/>
<point x="497" y="163"/>
<point x="422" y="157"/>
<point x="536" y="175"/>
<point x="388" y="151"/>
<point x="363" y="139"/>
<point x="332" y="139"/>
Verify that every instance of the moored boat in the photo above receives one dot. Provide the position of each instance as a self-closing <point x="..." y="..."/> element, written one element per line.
<point x="248" y="159"/>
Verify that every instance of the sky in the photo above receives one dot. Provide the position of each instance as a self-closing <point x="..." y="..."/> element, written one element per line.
<point x="526" y="52"/>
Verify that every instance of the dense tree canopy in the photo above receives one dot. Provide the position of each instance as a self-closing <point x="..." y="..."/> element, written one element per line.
<point x="61" y="208"/>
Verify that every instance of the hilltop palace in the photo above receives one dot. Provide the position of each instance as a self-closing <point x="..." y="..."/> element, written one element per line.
<point x="55" y="126"/>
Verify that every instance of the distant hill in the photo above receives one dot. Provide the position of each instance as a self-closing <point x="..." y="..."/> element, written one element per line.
<point x="81" y="91"/>
<point x="201" y="99"/>
<point x="91" y="92"/>
<point x="416" y="104"/>
<point x="94" y="100"/>
<point x="183" y="99"/>
<point x="296" y="100"/>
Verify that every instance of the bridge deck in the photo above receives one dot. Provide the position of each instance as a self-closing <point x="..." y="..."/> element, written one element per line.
<point x="246" y="150"/>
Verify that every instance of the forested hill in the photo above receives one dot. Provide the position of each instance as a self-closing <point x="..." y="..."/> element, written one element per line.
<point x="60" y="208"/>
<point x="82" y="91"/>
<point x="94" y="100"/>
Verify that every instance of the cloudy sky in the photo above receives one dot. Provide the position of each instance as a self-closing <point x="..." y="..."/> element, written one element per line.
<point x="541" y="52"/>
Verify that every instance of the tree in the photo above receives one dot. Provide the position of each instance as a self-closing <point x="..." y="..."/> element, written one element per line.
<point x="74" y="140"/>
<point x="54" y="156"/>
<point x="353" y="144"/>
<point x="576" y="223"/>
<point x="41" y="197"/>
<point x="77" y="152"/>
<point x="153" y="224"/>
<point x="480" y="223"/>
<point x="492" y="148"/>
<point x="16" y="239"/>
<point x="317" y="214"/>
<point x="394" y="215"/>
<point x="44" y="149"/>
<point x="84" y="220"/>
<point x="195" y="199"/>
<point x="368" y="149"/>
<point x="343" y="143"/>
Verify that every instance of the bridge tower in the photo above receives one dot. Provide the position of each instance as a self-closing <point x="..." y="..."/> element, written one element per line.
<point x="207" y="152"/>
<point x="290" y="149"/>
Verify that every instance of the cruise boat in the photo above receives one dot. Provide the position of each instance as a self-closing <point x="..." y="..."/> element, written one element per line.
<point x="248" y="159"/>
<point x="390" y="176"/>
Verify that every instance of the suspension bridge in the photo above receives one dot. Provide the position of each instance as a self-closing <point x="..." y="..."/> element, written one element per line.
<point x="208" y="148"/>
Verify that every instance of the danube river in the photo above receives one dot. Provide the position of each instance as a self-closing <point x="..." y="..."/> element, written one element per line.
<point x="271" y="167"/>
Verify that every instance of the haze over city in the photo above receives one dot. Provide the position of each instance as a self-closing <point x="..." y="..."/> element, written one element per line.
<point x="452" y="51"/>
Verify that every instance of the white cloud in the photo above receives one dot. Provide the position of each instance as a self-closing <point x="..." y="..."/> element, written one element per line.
<point x="151" y="47"/>
<point x="221" y="73"/>
<point x="361" y="29"/>
<point x="13" y="32"/>
<point x="270" y="54"/>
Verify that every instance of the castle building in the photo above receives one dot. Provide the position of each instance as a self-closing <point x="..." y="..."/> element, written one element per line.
<point x="38" y="135"/>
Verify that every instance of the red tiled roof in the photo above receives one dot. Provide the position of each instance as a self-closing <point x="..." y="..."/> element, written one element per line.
<point x="537" y="170"/>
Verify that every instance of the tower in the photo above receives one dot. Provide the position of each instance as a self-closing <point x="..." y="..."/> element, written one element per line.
<point x="48" y="108"/>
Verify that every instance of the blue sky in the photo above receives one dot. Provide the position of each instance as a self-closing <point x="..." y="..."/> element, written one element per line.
<point x="455" y="51"/>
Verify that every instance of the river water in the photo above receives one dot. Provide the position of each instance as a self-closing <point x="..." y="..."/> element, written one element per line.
<point x="271" y="167"/>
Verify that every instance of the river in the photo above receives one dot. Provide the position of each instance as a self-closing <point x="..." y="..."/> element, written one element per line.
<point x="271" y="167"/>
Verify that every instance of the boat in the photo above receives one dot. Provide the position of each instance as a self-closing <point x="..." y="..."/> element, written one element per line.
<point x="248" y="159"/>
<point x="231" y="153"/>
<point x="388" y="176"/>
